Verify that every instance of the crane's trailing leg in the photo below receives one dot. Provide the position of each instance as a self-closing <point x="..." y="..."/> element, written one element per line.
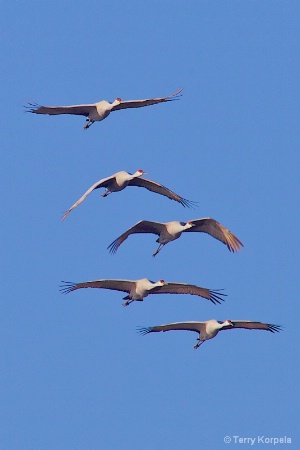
<point x="198" y="343"/>
<point x="127" y="302"/>
<point x="88" y="124"/>
<point x="106" y="193"/>
<point x="158" y="250"/>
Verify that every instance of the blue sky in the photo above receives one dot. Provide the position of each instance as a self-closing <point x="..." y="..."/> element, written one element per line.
<point x="75" y="374"/>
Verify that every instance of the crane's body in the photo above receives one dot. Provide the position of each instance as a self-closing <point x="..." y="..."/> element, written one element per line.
<point x="120" y="180"/>
<point x="96" y="112"/>
<point x="209" y="329"/>
<point x="137" y="290"/>
<point x="170" y="231"/>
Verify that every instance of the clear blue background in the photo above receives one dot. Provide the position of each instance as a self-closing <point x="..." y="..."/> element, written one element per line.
<point x="75" y="374"/>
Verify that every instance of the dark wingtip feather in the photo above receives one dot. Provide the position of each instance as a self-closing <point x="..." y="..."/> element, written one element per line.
<point x="173" y="99"/>
<point x="175" y="96"/>
<point x="144" y="330"/>
<point x="274" y="328"/>
<point x="215" y="296"/>
<point x="177" y="93"/>
<point x="69" y="286"/>
<point x="113" y="247"/>
<point x="189" y="203"/>
<point x="31" y="107"/>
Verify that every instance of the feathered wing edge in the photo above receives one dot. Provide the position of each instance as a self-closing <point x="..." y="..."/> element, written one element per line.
<point x="114" y="285"/>
<point x="160" y="189"/>
<point x="99" y="184"/>
<point x="184" y="326"/>
<point x="79" y="110"/>
<point x="217" y="231"/>
<point x="249" y="325"/>
<point x="148" y="101"/>
<point x="143" y="226"/>
<point x="215" y="296"/>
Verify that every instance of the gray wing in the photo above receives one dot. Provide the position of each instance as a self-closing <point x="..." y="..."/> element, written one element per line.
<point x="218" y="231"/>
<point x="98" y="184"/>
<point x="187" y="326"/>
<point x="184" y="288"/>
<point x="147" y="102"/>
<point x="254" y="326"/>
<point x="144" y="226"/>
<point x="162" y="190"/>
<point x="79" y="110"/>
<point x="115" y="285"/>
